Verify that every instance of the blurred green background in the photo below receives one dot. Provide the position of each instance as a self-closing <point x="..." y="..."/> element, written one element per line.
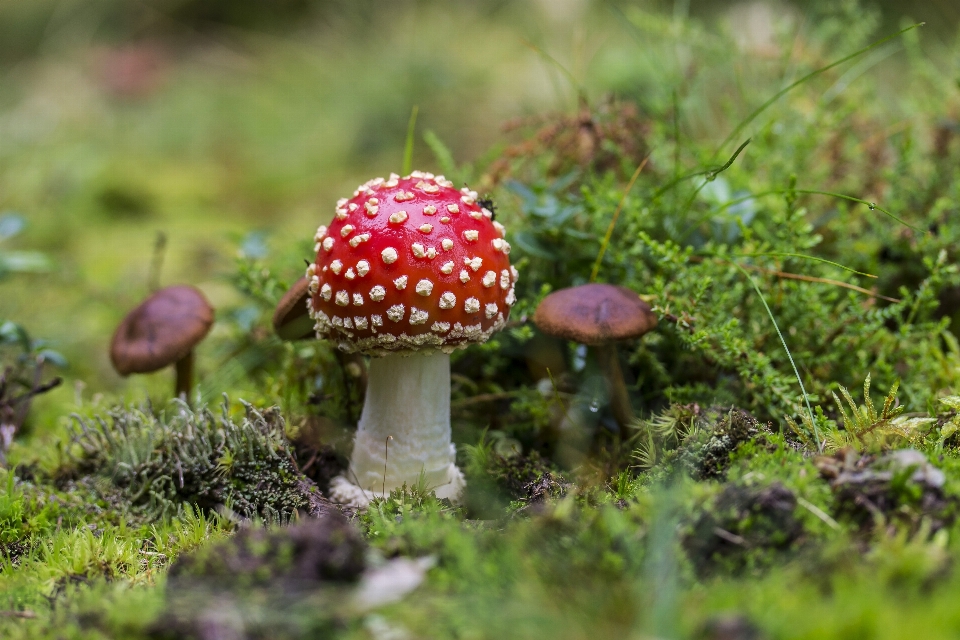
<point x="232" y="126"/>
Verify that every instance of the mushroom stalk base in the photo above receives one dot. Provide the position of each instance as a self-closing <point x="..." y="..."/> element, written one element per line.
<point x="184" y="375"/>
<point x="620" y="404"/>
<point x="404" y="432"/>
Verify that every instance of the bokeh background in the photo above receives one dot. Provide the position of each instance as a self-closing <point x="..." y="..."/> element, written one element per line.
<point x="232" y="126"/>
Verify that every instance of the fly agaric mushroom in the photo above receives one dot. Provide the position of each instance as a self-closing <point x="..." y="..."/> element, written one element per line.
<point x="599" y="315"/>
<point x="409" y="270"/>
<point x="162" y="331"/>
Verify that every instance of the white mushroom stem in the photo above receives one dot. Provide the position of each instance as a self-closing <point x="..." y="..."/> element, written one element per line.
<point x="404" y="431"/>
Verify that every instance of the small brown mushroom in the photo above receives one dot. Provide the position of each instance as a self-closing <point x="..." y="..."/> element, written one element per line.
<point x="291" y="320"/>
<point x="599" y="315"/>
<point x="162" y="331"/>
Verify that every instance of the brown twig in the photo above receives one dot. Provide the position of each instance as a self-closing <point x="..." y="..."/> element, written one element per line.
<point x="483" y="397"/>
<point x="796" y="276"/>
<point x="26" y="614"/>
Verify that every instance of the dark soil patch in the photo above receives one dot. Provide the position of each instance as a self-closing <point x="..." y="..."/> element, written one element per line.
<point x="740" y="522"/>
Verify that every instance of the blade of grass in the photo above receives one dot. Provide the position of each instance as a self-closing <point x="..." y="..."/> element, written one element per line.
<point x="710" y="173"/>
<point x="873" y="206"/>
<point x="581" y="92"/>
<point x="613" y="221"/>
<point x="711" y="176"/>
<point x="807" y="257"/>
<point x="756" y="112"/>
<point x="796" y="372"/>
<point x="408" y="146"/>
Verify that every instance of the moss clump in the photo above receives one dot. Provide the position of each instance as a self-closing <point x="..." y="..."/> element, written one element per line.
<point x="900" y="487"/>
<point x="265" y="583"/>
<point x="160" y="461"/>
<point x="740" y="522"/>
<point x="292" y="558"/>
<point x="699" y="443"/>
<point x="709" y="458"/>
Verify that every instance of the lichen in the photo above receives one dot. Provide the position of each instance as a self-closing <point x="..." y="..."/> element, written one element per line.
<point x="180" y="455"/>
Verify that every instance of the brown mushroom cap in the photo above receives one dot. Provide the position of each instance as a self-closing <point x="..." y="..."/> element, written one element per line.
<point x="291" y="320"/>
<point x="161" y="331"/>
<point x="593" y="314"/>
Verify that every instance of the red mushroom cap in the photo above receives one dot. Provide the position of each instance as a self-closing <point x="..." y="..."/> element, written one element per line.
<point x="408" y="264"/>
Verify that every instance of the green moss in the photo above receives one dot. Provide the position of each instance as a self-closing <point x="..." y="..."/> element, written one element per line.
<point x="161" y="461"/>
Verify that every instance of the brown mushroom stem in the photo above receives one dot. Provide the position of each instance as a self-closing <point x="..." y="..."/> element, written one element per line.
<point x="619" y="398"/>
<point x="184" y="376"/>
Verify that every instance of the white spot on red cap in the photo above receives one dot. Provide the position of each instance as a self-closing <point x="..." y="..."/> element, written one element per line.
<point x="418" y="316"/>
<point x="403" y="196"/>
<point x="448" y="300"/>
<point x="424" y="287"/>
<point x="377" y="293"/>
<point x="350" y="275"/>
<point x="474" y="263"/>
<point x="500" y="228"/>
<point x="314" y="285"/>
<point x="452" y="208"/>
<point x="426" y="228"/>
<point x="360" y="322"/>
<point x="476" y="215"/>
<point x="395" y="313"/>
<point x="504" y="279"/>
<point x="327" y="243"/>
<point x="376" y="320"/>
<point x="342" y="202"/>
<point x="352" y="207"/>
<point x="497" y="244"/>
<point x="356" y="240"/>
<point x="447" y="267"/>
<point x="447" y="244"/>
<point x="321" y="232"/>
<point x="358" y="300"/>
<point x="398" y="217"/>
<point x="371" y="209"/>
<point x="430" y="188"/>
<point x="343" y="298"/>
<point x="471" y="305"/>
<point x="429" y="210"/>
<point x="489" y="279"/>
<point x="389" y="255"/>
<point x="336" y="266"/>
<point x="514" y="273"/>
<point x="440" y="327"/>
<point x="326" y="291"/>
<point x="401" y="283"/>
<point x="348" y="323"/>
<point x="445" y="219"/>
<point x="511" y="298"/>
<point x="490" y="309"/>
<point x="346" y="230"/>
<point x="363" y="268"/>
<point x="464" y="276"/>
<point x="418" y="250"/>
<point x="431" y="253"/>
